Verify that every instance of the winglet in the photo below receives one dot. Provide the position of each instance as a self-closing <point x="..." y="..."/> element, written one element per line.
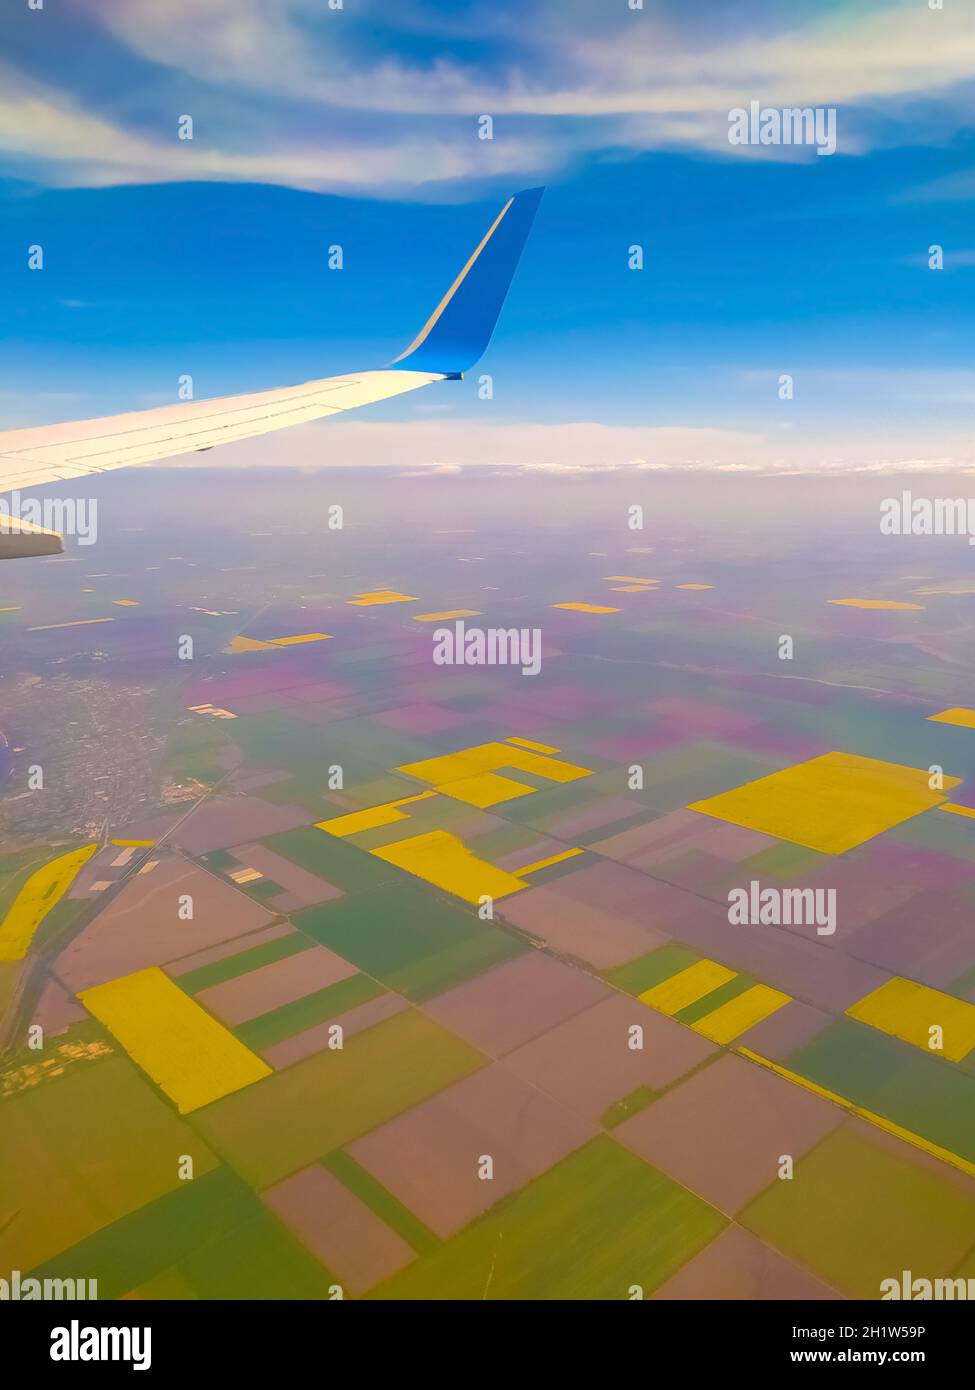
<point x="460" y="328"/>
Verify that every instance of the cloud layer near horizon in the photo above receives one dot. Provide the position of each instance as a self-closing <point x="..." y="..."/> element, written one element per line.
<point x="578" y="447"/>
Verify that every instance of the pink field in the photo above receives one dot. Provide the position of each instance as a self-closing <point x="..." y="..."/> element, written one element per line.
<point x="142" y="926"/>
<point x="338" y="1229"/>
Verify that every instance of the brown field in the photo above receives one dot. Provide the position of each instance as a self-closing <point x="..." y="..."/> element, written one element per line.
<point x="56" y="1010"/>
<point x="603" y="913"/>
<point x="99" y="869"/>
<point x="141" y="927"/>
<point x="429" y="1157"/>
<point x="722" y="1133"/>
<point x="353" y="1021"/>
<point x="587" y="1064"/>
<point x="228" y="948"/>
<point x="223" y="821"/>
<point x="784" y="1032"/>
<point x="338" y="1228"/>
<point x="259" y="991"/>
<point x="301" y="888"/>
<point x="738" y="1267"/>
<point x="505" y="1007"/>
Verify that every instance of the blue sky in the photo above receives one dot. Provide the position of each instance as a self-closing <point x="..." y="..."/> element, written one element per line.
<point x="359" y="127"/>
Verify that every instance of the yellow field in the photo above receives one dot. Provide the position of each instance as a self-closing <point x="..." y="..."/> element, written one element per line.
<point x="586" y="607"/>
<point x="188" y="1054"/>
<point x="533" y="747"/>
<point x="470" y="776"/>
<point x="687" y="986"/>
<point x="248" y="644"/>
<point x="470" y="763"/>
<point x="78" y="622"/>
<point x="443" y="860"/>
<point x="213" y="711"/>
<point x="830" y="803"/>
<point x="34" y="901"/>
<point x="368" y="600"/>
<point x="547" y="863"/>
<point x="445" y="617"/>
<point x="888" y="603"/>
<point x="371" y="818"/>
<point x="964" y="718"/>
<point x="908" y="1011"/>
<point x="254" y="644"/>
<point x="880" y="1121"/>
<point x="484" y="789"/>
<point x="735" y="1017"/>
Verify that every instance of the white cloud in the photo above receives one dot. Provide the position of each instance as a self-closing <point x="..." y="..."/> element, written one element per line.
<point x="568" y="78"/>
<point x="80" y="148"/>
<point x="559" y="64"/>
<point x="578" y="447"/>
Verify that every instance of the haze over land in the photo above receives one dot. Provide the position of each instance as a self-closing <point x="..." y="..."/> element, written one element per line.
<point x="353" y="903"/>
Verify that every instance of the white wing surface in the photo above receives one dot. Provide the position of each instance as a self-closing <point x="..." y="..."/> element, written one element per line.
<point x="452" y="339"/>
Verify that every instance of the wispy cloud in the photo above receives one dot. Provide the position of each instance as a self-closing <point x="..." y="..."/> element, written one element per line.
<point x="367" y="100"/>
<point x="66" y="146"/>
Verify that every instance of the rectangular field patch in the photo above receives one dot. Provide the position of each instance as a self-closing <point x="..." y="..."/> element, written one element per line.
<point x="188" y="1054"/>
<point x="831" y="803"/>
<point x="735" y="1017"/>
<point x="687" y="986"/>
<point x="321" y="1103"/>
<point x="441" y="859"/>
<point x="909" y="1011"/>
<point x="960" y="716"/>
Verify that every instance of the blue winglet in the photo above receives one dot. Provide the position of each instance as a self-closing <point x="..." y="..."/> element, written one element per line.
<point x="460" y="328"/>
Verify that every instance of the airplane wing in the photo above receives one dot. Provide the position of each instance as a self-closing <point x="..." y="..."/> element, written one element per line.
<point x="451" y="340"/>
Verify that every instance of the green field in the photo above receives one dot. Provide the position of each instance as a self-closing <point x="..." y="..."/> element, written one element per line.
<point x="380" y="1200"/>
<point x="284" y="1022"/>
<point x="300" y="1114"/>
<point x="922" y="1093"/>
<point x="639" y="975"/>
<point x="212" y="1238"/>
<point x="857" y="1212"/>
<point x="335" y="860"/>
<point x="195" y="750"/>
<point x="243" y="962"/>
<point x="414" y="941"/>
<point x="83" y="1152"/>
<point x="590" y="1228"/>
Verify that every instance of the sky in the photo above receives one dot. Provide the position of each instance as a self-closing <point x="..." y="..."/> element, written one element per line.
<point x="357" y="124"/>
